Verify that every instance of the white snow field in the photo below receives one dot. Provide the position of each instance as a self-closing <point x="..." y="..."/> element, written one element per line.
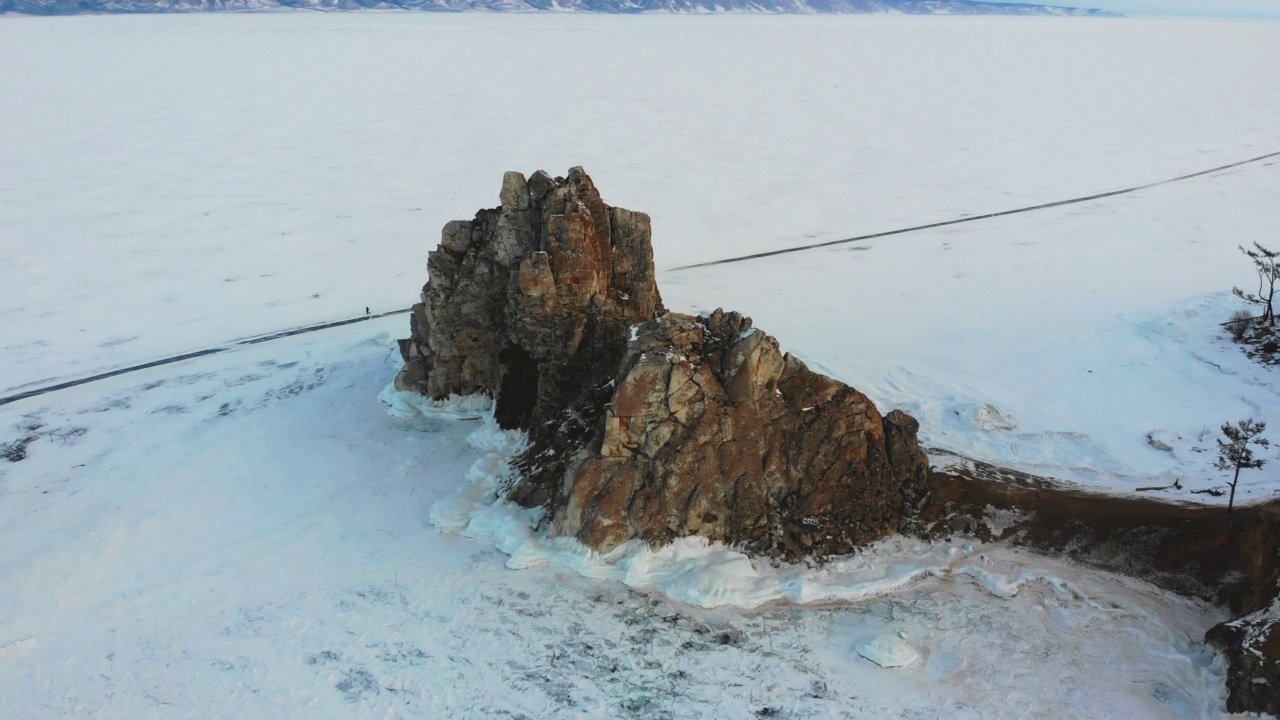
<point x="250" y="534"/>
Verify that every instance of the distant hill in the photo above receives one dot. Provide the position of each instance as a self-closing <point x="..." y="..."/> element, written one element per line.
<point x="914" y="7"/>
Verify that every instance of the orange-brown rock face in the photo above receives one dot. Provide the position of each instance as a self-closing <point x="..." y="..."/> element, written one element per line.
<point x="646" y="424"/>
<point x="712" y="431"/>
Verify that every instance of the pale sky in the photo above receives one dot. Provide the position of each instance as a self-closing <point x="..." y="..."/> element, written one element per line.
<point x="1222" y="8"/>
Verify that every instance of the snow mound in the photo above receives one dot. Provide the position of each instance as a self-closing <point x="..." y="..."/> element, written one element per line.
<point x="1162" y="440"/>
<point x="989" y="417"/>
<point x="888" y="651"/>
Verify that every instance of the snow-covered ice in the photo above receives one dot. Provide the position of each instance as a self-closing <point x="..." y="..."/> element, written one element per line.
<point x="888" y="651"/>
<point x="252" y="535"/>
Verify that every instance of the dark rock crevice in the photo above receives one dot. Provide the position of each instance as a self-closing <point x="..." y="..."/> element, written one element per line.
<point x="517" y="396"/>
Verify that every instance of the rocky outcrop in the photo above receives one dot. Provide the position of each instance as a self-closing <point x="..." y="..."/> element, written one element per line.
<point x="645" y="424"/>
<point x="1252" y="647"/>
<point x="711" y="430"/>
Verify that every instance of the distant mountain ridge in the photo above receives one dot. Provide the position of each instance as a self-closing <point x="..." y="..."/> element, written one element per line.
<point x="913" y="7"/>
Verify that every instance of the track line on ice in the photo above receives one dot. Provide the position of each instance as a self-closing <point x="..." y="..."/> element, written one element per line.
<point x="755" y="256"/>
<point x="974" y="218"/>
<point x="195" y="354"/>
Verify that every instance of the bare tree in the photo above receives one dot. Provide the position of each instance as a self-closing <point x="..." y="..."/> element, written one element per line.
<point x="1235" y="454"/>
<point x="1265" y="262"/>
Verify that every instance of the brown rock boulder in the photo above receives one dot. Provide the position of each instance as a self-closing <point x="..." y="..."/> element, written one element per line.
<point x="1252" y="647"/>
<point x="644" y="424"/>
<point x="712" y="431"/>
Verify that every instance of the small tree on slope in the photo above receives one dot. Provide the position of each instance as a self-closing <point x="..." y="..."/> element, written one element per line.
<point x="1265" y="262"/>
<point x="1235" y="454"/>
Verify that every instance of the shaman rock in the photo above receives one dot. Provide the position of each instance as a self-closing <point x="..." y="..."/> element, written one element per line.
<point x="645" y="424"/>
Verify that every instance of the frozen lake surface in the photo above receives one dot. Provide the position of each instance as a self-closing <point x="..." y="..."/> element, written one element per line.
<point x="250" y="534"/>
<point x="171" y="182"/>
